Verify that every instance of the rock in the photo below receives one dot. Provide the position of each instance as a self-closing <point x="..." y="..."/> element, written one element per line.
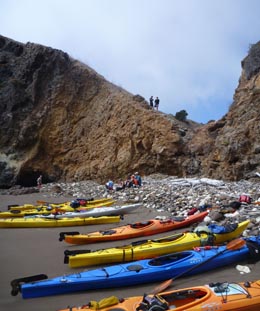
<point x="61" y="119"/>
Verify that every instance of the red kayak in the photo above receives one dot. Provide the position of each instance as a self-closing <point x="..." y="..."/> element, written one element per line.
<point x="134" y="230"/>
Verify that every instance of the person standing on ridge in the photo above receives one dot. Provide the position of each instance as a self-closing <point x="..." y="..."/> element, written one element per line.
<point x="151" y="101"/>
<point x="156" y="103"/>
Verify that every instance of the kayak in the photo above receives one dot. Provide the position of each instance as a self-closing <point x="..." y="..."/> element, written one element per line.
<point x="41" y="210"/>
<point x="83" y="202"/>
<point x="78" y="213"/>
<point x="144" y="249"/>
<point x="139" y="272"/>
<point x="150" y="227"/>
<point x="99" y="211"/>
<point x="37" y="222"/>
<point x="243" y="296"/>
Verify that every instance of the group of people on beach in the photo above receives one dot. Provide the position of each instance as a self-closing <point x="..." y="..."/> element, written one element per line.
<point x="133" y="180"/>
<point x="154" y="103"/>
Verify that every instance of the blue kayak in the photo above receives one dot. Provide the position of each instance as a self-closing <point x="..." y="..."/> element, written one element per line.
<point x="138" y="272"/>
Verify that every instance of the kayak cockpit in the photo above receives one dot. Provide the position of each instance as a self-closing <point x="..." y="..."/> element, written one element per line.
<point x="140" y="225"/>
<point x="169" y="259"/>
<point x="176" y="299"/>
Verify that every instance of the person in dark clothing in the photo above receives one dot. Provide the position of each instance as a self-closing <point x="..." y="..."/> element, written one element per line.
<point x="151" y="101"/>
<point x="129" y="182"/>
<point x="120" y="186"/>
<point x="138" y="178"/>
<point x="156" y="103"/>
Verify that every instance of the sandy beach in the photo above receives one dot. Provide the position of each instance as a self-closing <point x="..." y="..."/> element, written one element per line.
<point x="26" y="252"/>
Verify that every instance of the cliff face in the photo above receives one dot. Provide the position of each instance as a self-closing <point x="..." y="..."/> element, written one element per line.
<point x="230" y="148"/>
<point x="61" y="119"/>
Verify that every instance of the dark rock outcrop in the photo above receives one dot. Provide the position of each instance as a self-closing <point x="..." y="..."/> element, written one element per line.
<point x="61" y="119"/>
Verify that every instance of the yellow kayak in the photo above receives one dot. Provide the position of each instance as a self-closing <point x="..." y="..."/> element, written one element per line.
<point x="31" y="222"/>
<point x="42" y="204"/>
<point x="150" y="248"/>
<point x="41" y="210"/>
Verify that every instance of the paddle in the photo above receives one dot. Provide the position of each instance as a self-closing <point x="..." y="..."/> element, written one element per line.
<point x="231" y="246"/>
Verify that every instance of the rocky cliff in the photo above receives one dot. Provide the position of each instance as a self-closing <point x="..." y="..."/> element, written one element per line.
<point x="230" y="148"/>
<point x="61" y="119"/>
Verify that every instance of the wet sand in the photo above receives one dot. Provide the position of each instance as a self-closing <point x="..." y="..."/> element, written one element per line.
<point x="26" y="252"/>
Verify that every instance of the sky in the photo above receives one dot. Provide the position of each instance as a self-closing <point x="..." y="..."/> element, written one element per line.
<point x="186" y="52"/>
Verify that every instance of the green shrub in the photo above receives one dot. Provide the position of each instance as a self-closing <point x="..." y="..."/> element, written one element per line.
<point x="181" y="115"/>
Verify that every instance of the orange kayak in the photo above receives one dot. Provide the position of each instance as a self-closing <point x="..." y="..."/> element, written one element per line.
<point x="137" y="229"/>
<point x="216" y="296"/>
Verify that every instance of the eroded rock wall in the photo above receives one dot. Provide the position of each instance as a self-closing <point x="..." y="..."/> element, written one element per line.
<point x="62" y="119"/>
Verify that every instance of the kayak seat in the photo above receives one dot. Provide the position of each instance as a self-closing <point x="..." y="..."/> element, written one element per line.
<point x="140" y="224"/>
<point x="170" y="258"/>
<point x="136" y="268"/>
<point x="167" y="221"/>
<point x="15" y="211"/>
<point x="107" y="232"/>
<point x="178" y="218"/>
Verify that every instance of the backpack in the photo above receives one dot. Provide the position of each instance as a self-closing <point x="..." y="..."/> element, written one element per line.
<point x="74" y="204"/>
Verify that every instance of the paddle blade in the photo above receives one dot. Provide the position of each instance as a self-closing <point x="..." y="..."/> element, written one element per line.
<point x="235" y="244"/>
<point x="160" y="288"/>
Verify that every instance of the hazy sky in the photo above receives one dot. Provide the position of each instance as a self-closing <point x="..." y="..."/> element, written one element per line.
<point x="186" y="52"/>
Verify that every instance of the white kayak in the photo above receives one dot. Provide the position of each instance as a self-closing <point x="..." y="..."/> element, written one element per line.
<point x="94" y="212"/>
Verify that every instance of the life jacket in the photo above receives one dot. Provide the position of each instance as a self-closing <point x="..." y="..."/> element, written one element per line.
<point x="135" y="181"/>
<point x="245" y="198"/>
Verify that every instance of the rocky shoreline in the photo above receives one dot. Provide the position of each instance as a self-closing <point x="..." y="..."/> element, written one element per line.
<point x="170" y="196"/>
